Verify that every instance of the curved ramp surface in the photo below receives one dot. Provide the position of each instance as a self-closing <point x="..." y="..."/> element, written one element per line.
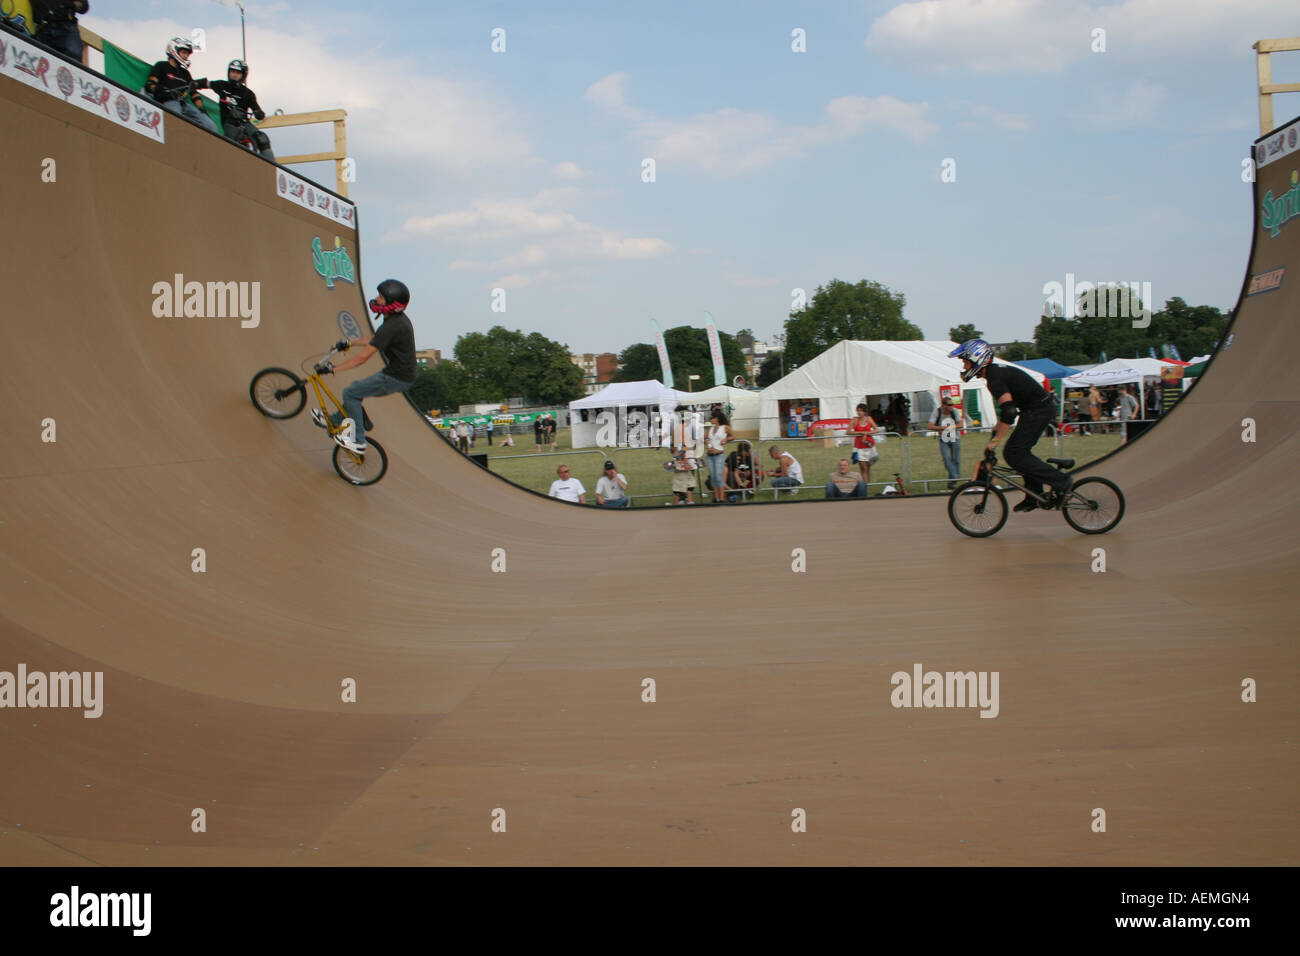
<point x="482" y="693"/>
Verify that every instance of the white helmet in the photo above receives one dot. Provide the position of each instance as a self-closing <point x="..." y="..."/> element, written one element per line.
<point x="180" y="49"/>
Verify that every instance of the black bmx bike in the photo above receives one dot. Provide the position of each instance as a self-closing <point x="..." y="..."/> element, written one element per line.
<point x="979" y="508"/>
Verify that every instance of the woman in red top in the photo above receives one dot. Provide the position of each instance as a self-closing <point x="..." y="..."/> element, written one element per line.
<point x="864" y="445"/>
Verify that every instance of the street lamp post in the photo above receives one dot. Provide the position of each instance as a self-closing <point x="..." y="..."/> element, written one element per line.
<point x="243" y="38"/>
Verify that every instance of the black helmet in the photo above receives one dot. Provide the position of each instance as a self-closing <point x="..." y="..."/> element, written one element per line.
<point x="239" y="65"/>
<point x="396" y="297"/>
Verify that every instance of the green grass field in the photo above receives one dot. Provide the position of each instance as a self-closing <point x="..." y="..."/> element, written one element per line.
<point x="651" y="485"/>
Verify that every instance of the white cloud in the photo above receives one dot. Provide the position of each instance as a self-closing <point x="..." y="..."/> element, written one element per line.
<point x="401" y="110"/>
<point x="732" y="141"/>
<point x="569" y="171"/>
<point x="1044" y="36"/>
<point x="552" y="235"/>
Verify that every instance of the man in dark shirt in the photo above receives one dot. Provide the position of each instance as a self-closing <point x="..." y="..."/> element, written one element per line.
<point x="55" y="22"/>
<point x="237" y="101"/>
<point x="395" y="342"/>
<point x="1016" y="394"/>
<point x="172" y="86"/>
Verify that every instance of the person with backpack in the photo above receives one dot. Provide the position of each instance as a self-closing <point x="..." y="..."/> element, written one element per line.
<point x="948" y="421"/>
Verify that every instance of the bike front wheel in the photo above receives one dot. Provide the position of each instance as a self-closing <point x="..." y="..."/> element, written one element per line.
<point x="1094" y="505"/>
<point x="977" y="509"/>
<point x="277" y="393"/>
<point x="361" y="470"/>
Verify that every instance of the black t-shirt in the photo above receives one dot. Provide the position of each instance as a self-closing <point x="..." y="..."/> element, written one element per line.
<point x="167" y="82"/>
<point x="395" y="341"/>
<point x="237" y="101"/>
<point x="1025" y="392"/>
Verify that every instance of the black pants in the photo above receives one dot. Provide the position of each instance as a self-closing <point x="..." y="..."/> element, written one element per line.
<point x="237" y="131"/>
<point x="1019" y="454"/>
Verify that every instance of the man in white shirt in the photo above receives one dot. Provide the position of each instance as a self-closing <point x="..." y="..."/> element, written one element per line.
<point x="568" y="488"/>
<point x="611" y="488"/>
<point x="788" y="474"/>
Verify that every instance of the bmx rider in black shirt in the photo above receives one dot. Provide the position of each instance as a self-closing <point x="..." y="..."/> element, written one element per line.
<point x="395" y="341"/>
<point x="1016" y="395"/>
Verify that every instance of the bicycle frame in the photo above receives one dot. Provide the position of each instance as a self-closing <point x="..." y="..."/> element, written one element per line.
<point x="988" y="472"/>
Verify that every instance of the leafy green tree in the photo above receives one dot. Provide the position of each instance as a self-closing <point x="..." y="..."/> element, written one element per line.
<point x="770" y="370"/>
<point x="638" y="363"/>
<point x="1019" y="351"/>
<point x="837" y="311"/>
<point x="964" y="333"/>
<point x="500" y="363"/>
<point x="440" y="388"/>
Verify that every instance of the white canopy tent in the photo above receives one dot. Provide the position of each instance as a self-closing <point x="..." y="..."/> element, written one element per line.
<point x="745" y="405"/>
<point x="1118" y="371"/>
<point x="848" y="371"/>
<point x="644" y="397"/>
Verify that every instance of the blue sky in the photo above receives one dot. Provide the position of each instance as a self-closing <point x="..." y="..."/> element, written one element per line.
<point x="775" y="170"/>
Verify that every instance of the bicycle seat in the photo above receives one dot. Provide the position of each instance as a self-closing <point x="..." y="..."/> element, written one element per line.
<point x="1061" y="462"/>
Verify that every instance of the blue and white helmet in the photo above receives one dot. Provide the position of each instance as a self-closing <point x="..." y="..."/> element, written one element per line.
<point x="978" y="352"/>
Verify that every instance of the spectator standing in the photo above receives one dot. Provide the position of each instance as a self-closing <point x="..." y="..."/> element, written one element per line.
<point x="864" y="429"/>
<point x="537" y="433"/>
<point x="788" y="474"/>
<point x="1094" y="404"/>
<point x="56" y="25"/>
<point x="567" y="488"/>
<point x="488" y="431"/>
<point x="716" y="453"/>
<point x="1128" y="408"/>
<point x="552" y="427"/>
<point x="172" y="86"/>
<point x="462" y="437"/>
<point x="611" y="488"/>
<point x="948" y="421"/>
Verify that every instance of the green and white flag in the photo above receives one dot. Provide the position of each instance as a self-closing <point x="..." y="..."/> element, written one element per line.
<point x="662" y="346"/>
<point x="715" y="349"/>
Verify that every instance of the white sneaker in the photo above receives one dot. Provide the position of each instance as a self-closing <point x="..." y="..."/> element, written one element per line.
<point x="344" y="440"/>
<point x="318" y="417"/>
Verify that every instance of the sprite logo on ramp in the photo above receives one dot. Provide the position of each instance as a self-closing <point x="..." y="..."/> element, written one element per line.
<point x="333" y="263"/>
<point x="1276" y="211"/>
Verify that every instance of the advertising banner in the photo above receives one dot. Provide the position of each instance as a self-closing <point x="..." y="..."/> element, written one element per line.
<point x="1171" y="387"/>
<point x="715" y="350"/>
<point x="662" y="346"/>
<point x="310" y="196"/>
<point x="32" y="66"/>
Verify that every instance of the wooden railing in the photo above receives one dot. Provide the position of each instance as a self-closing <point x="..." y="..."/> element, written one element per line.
<point x="1264" y="66"/>
<point x="338" y="117"/>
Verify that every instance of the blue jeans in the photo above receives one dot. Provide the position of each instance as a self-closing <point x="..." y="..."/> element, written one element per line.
<point x="381" y="383"/>
<point x="63" y="36"/>
<point x="951" y="454"/>
<point x="833" y="490"/>
<point x="617" y="503"/>
<point x="785" y="481"/>
<point x="716" y="464"/>
<point x="187" y="110"/>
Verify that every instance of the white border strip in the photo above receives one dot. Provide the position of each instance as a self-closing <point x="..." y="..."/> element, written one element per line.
<point x="31" y="66"/>
<point x="310" y="196"/>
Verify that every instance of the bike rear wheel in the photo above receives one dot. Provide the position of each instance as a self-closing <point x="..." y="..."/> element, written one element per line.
<point x="1094" y="506"/>
<point x="977" y="509"/>
<point x="277" y="393"/>
<point x="361" y="470"/>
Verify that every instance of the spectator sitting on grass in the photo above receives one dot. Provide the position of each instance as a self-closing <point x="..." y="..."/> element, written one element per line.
<point x="567" y="488"/>
<point x="740" y="472"/>
<point x="611" y="488"/>
<point x="844" y="483"/>
<point x="788" y="472"/>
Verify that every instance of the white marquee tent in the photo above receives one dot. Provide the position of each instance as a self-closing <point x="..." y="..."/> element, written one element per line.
<point x="848" y="371"/>
<point x="745" y="405"/>
<point x="1116" y="372"/>
<point x="651" y="395"/>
